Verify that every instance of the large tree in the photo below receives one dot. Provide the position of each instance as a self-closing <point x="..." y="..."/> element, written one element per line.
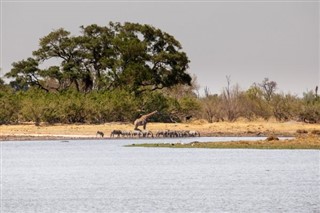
<point x="129" y="56"/>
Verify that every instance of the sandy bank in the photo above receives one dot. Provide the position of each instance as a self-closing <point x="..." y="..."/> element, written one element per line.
<point x="85" y="131"/>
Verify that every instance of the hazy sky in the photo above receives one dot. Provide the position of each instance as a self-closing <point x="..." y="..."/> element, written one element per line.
<point x="247" y="40"/>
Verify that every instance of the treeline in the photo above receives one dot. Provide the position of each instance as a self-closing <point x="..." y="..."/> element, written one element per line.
<point x="120" y="71"/>
<point x="176" y="104"/>
<point x="260" y="101"/>
<point x="35" y="105"/>
<point x="130" y="56"/>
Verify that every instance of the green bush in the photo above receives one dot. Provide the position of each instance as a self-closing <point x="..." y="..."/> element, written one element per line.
<point x="35" y="105"/>
<point x="9" y="107"/>
<point x="285" y="107"/>
<point x="310" y="111"/>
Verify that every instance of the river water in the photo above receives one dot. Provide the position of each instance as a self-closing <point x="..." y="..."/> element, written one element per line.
<point x="103" y="176"/>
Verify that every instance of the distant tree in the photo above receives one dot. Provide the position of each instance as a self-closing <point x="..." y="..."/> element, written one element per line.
<point x="128" y="56"/>
<point x="285" y="107"/>
<point x="212" y="107"/>
<point x="268" y="87"/>
<point x="179" y="91"/>
<point x="26" y="73"/>
<point x="148" y="59"/>
<point x="230" y="98"/>
<point x="310" y="112"/>
<point x="255" y="104"/>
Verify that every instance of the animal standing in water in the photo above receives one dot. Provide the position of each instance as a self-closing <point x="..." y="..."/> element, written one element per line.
<point x="142" y="121"/>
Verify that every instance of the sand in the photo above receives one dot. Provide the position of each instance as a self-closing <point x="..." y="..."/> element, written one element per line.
<point x="86" y="131"/>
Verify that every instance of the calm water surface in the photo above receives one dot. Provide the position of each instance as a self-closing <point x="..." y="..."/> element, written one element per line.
<point x="104" y="176"/>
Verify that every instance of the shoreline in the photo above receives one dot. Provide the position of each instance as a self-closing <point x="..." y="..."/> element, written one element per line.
<point x="38" y="137"/>
<point x="8" y="138"/>
<point x="310" y="142"/>
<point x="25" y="132"/>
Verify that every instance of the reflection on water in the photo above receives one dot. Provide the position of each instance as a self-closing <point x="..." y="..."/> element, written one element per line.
<point x="104" y="176"/>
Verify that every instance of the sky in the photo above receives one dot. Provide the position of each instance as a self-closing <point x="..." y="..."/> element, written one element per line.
<point x="245" y="40"/>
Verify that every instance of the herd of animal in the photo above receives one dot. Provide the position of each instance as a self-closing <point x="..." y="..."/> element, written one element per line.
<point x="149" y="134"/>
<point x="142" y="121"/>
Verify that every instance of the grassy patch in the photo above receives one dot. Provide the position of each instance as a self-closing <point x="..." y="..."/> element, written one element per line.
<point x="302" y="142"/>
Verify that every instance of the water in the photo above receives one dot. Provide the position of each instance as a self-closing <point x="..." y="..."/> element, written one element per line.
<point x="104" y="176"/>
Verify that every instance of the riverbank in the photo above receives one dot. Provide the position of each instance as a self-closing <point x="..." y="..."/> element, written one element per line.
<point x="219" y="129"/>
<point x="310" y="141"/>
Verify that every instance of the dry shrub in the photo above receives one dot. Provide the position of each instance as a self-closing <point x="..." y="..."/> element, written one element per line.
<point x="302" y="131"/>
<point x="315" y="132"/>
<point x="199" y="122"/>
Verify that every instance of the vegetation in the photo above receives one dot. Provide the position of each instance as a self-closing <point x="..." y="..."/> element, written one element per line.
<point x="304" y="142"/>
<point x="37" y="106"/>
<point x="71" y="106"/>
<point x="119" y="71"/>
<point x="260" y="101"/>
<point x="132" y="57"/>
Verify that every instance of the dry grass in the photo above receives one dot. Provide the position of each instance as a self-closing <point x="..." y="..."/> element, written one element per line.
<point x="240" y="128"/>
<point x="301" y="142"/>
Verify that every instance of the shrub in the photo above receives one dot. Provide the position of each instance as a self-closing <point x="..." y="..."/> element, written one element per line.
<point x="285" y="107"/>
<point x="9" y="107"/>
<point x="315" y="132"/>
<point x="302" y="131"/>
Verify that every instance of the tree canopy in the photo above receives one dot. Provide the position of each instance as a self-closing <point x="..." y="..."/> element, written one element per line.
<point x="129" y="56"/>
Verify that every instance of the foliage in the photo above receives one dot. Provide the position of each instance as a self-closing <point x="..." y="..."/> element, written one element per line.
<point x="310" y="112"/>
<point x="9" y="107"/>
<point x="119" y="72"/>
<point x="285" y="107"/>
<point x="268" y="88"/>
<point x="33" y="106"/>
<point x="26" y="74"/>
<point x="36" y="105"/>
<point x="254" y="104"/>
<point x="212" y="109"/>
<point x="129" y="56"/>
<point x="231" y="101"/>
<point x="71" y="106"/>
<point x="188" y="106"/>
